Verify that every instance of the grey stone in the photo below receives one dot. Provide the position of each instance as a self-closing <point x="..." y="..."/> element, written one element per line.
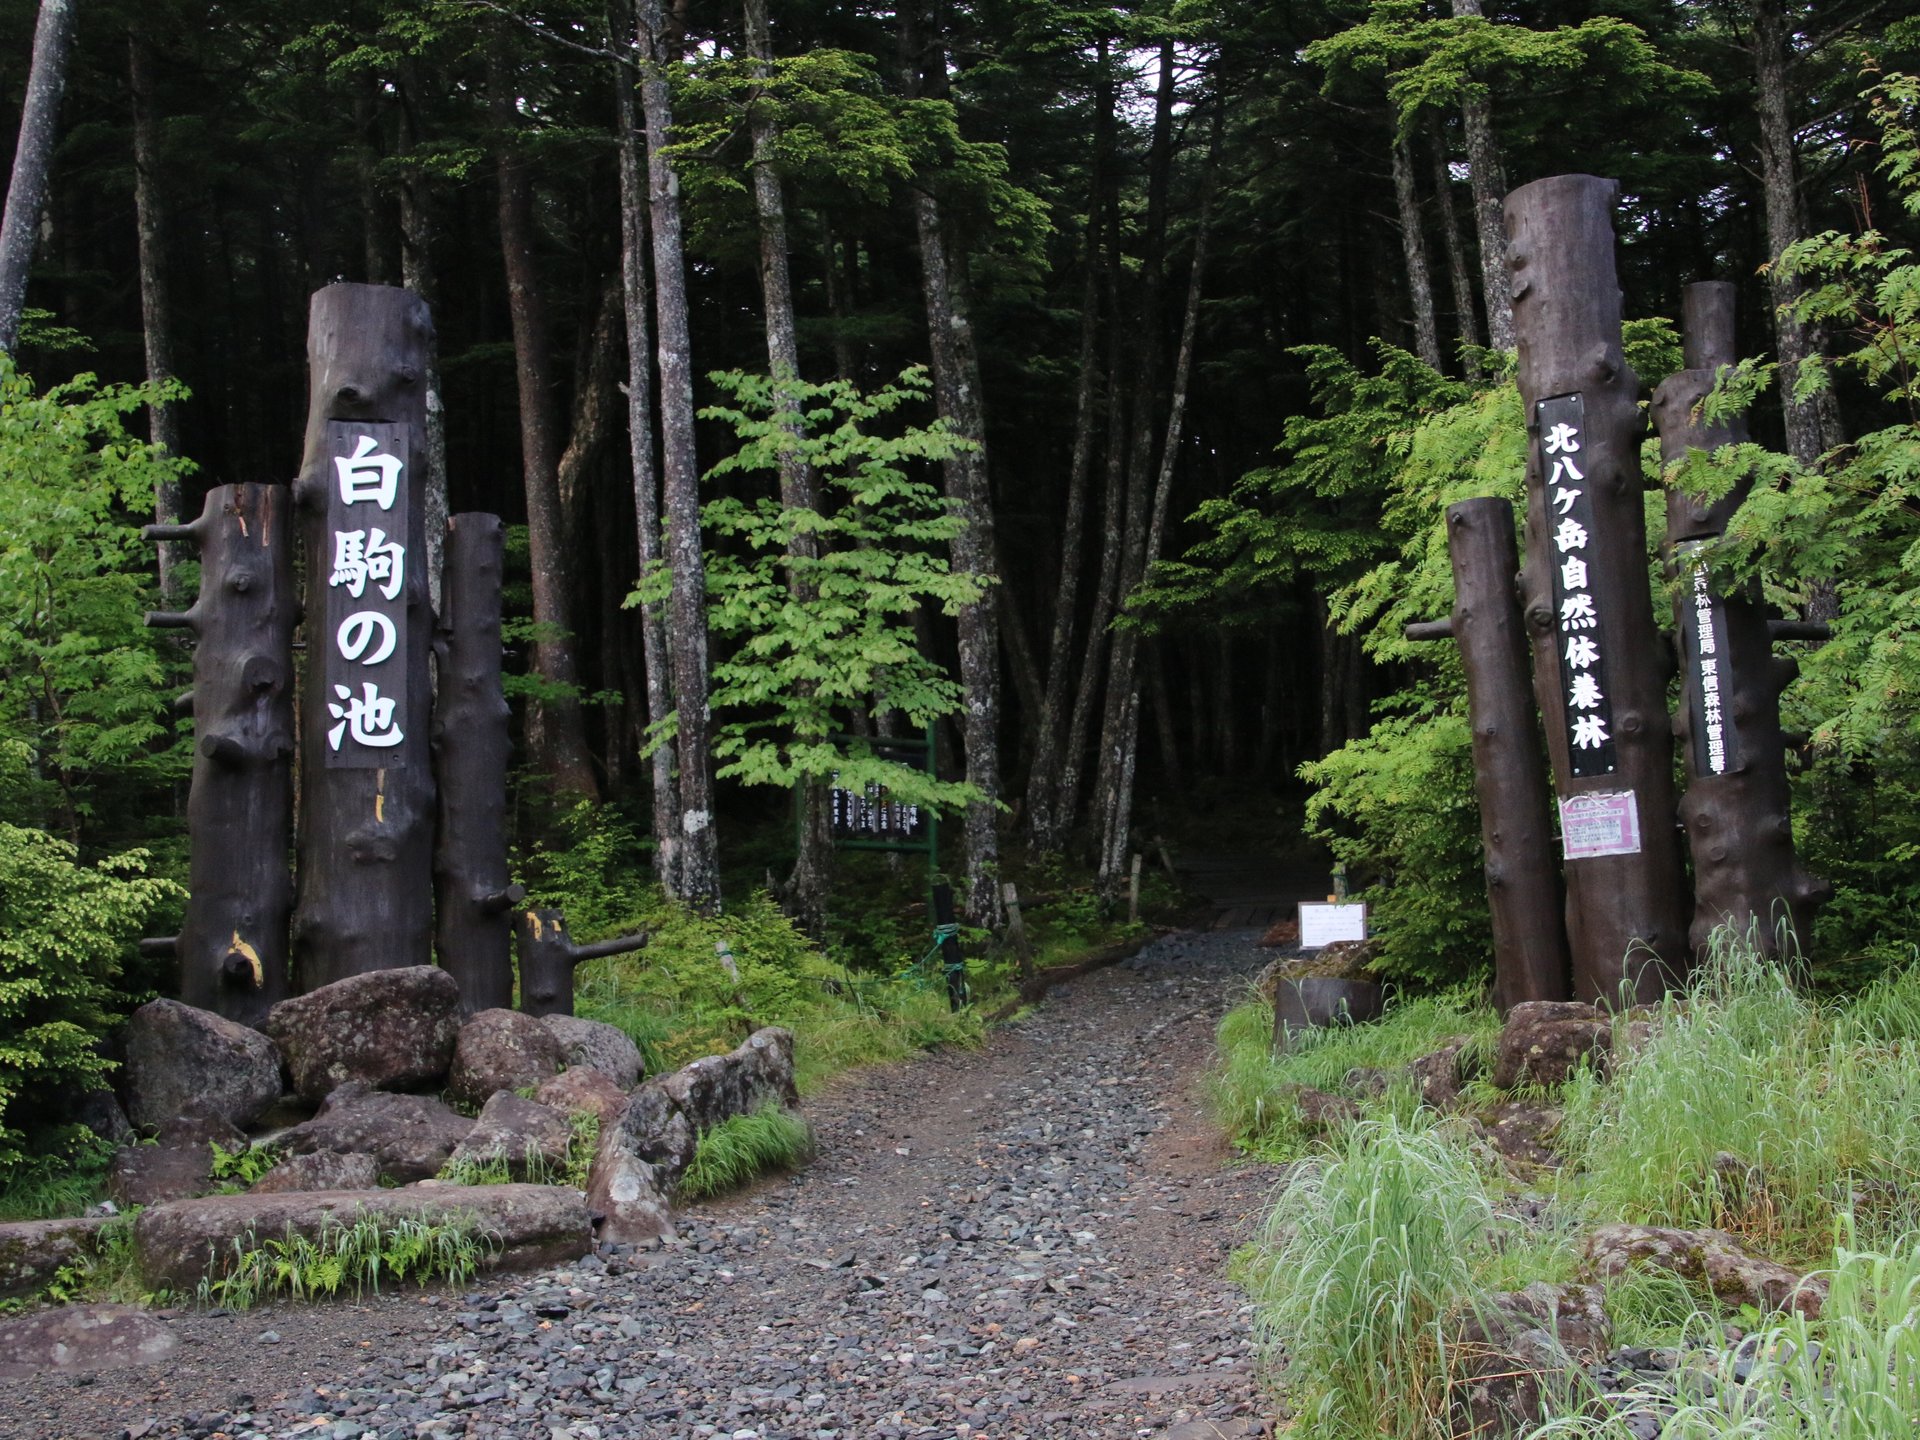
<point x="1542" y="1041"/>
<point x="100" y="1112"/>
<point x="599" y="1046"/>
<point x="181" y="1060"/>
<point x="1522" y="1133"/>
<point x="502" y="1050"/>
<point x="1320" y="1112"/>
<point x="636" y="1165"/>
<point x="1516" y="1356"/>
<point x="1711" y="1257"/>
<point x="75" y="1338"/>
<point x="32" y="1251"/>
<point x="525" y="1225"/>
<point x="718" y="1087"/>
<point x="1440" y="1075"/>
<point x="409" y="1136"/>
<point x="319" y="1170"/>
<point x="391" y="1029"/>
<point x="153" y="1174"/>
<point x="527" y="1135"/>
<point x="580" y="1088"/>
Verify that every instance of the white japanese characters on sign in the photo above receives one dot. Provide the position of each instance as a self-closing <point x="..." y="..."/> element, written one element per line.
<point x="1563" y="467"/>
<point x="365" y="624"/>
<point x="1703" y="637"/>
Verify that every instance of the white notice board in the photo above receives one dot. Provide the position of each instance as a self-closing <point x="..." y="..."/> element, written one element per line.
<point x="1323" y="922"/>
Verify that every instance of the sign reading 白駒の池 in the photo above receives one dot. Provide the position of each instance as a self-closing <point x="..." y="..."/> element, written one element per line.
<point x="365" y="627"/>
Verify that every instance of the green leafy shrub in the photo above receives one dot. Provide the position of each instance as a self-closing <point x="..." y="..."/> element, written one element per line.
<point x="745" y="1148"/>
<point x="242" y="1166"/>
<point x="356" y="1257"/>
<point x="63" y="929"/>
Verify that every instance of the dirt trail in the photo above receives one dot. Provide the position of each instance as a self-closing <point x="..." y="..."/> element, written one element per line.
<point x="1028" y="1240"/>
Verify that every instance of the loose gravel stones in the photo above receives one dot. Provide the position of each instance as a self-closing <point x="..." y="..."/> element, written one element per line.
<point x="1024" y="1241"/>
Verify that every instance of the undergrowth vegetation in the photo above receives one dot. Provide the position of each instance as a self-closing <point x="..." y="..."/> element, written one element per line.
<point x="745" y="1147"/>
<point x="357" y="1257"/>
<point x="1740" y="1104"/>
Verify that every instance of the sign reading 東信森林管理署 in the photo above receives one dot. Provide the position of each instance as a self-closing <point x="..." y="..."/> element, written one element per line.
<point x="364" y="630"/>
<point x="1581" y="637"/>
<point x="1703" y="643"/>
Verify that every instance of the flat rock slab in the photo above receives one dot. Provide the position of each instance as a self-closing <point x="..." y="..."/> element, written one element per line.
<point x="155" y="1174"/>
<point x="81" y="1337"/>
<point x="32" y="1252"/>
<point x="175" y="1246"/>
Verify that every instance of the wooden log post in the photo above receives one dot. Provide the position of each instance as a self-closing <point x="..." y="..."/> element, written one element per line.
<point x="1600" y="671"/>
<point x="473" y="891"/>
<point x="1524" y="896"/>
<point x="1736" y="808"/>
<point x="365" y="841"/>
<point x="232" y="945"/>
<point x="548" y="958"/>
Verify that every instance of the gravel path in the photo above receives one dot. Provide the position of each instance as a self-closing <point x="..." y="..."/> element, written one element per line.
<point x="1024" y="1241"/>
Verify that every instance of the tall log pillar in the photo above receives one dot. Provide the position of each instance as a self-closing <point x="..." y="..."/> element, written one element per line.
<point x="1736" y="809"/>
<point x="232" y="945"/>
<point x="1599" y="668"/>
<point x="365" y="843"/>
<point x="1509" y="772"/>
<point x="473" y="893"/>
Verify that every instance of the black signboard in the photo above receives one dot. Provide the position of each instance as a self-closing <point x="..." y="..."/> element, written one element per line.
<point x="1703" y="634"/>
<point x="1583" y="638"/>
<point x="365" y="627"/>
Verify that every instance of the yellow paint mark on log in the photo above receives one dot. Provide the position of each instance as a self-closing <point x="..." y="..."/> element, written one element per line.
<point x="251" y="956"/>
<point x="534" y="916"/>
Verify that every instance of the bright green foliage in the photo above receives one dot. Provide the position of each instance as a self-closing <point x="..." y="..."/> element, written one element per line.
<point x="356" y="1257"/>
<point x="63" y="929"/>
<point x="745" y="1148"/>
<point x="1249" y="1088"/>
<point x="243" y="1165"/>
<point x="840" y="638"/>
<point x="83" y="686"/>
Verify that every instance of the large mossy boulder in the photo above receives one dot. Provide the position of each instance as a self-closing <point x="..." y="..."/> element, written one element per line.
<point x="183" y="1061"/>
<point x="388" y="1029"/>
<point x="409" y="1136"/>
<point x="502" y="1050"/>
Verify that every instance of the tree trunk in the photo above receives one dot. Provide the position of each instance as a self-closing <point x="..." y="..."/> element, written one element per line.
<point x="1600" y="670"/>
<point x="1045" y="825"/>
<point x="799" y="488"/>
<point x="156" y="314"/>
<point x="1813" y="426"/>
<point x="548" y="958"/>
<point x="1413" y="247"/>
<point x="365" y="822"/>
<point x="1463" y="302"/>
<point x="1489" y="189"/>
<point x="32" y="161"/>
<point x="232" y="945"/>
<point x="697" y="871"/>
<point x="1736" y="809"/>
<point x="646" y="480"/>
<point x="418" y="274"/>
<point x="593" y="416"/>
<point x="556" y="728"/>
<point x="473" y="748"/>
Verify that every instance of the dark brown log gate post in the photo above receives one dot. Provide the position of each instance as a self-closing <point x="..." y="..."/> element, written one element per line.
<point x="1736" y="808"/>
<point x="548" y="958"/>
<point x="1509" y="771"/>
<point x="232" y="944"/>
<point x="472" y="748"/>
<point x="366" y="781"/>
<point x="1600" y="671"/>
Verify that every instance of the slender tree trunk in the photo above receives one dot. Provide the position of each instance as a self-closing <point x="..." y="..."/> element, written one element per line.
<point x="1413" y="246"/>
<point x="696" y="874"/>
<point x="1462" y="285"/>
<point x="418" y="275"/>
<point x="799" y="487"/>
<point x="32" y="160"/>
<point x="1166" y="731"/>
<point x="1489" y="193"/>
<point x="1813" y="426"/>
<point x="558" y="731"/>
<point x="156" y="314"/>
<point x="593" y="415"/>
<point x="366" y="161"/>
<point x="655" y="655"/>
<point x="1126" y="643"/>
<point x="837" y="304"/>
<point x="1046" y="827"/>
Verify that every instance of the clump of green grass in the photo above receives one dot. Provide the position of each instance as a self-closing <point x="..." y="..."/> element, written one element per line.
<point x="1368" y="1258"/>
<point x="356" y="1256"/>
<point x="1249" y="1087"/>
<point x="1755" y="1109"/>
<point x="744" y="1148"/>
<point x="59" y="1183"/>
<point x="497" y="1168"/>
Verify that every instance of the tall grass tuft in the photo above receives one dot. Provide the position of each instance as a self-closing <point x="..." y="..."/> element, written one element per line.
<point x="1754" y="1109"/>
<point x="1366" y="1257"/>
<point x="744" y="1148"/>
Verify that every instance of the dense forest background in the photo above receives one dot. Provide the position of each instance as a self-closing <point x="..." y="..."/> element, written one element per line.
<point x="1212" y="298"/>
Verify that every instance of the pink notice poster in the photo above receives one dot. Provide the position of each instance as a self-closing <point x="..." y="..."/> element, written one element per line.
<point x="1600" y="822"/>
